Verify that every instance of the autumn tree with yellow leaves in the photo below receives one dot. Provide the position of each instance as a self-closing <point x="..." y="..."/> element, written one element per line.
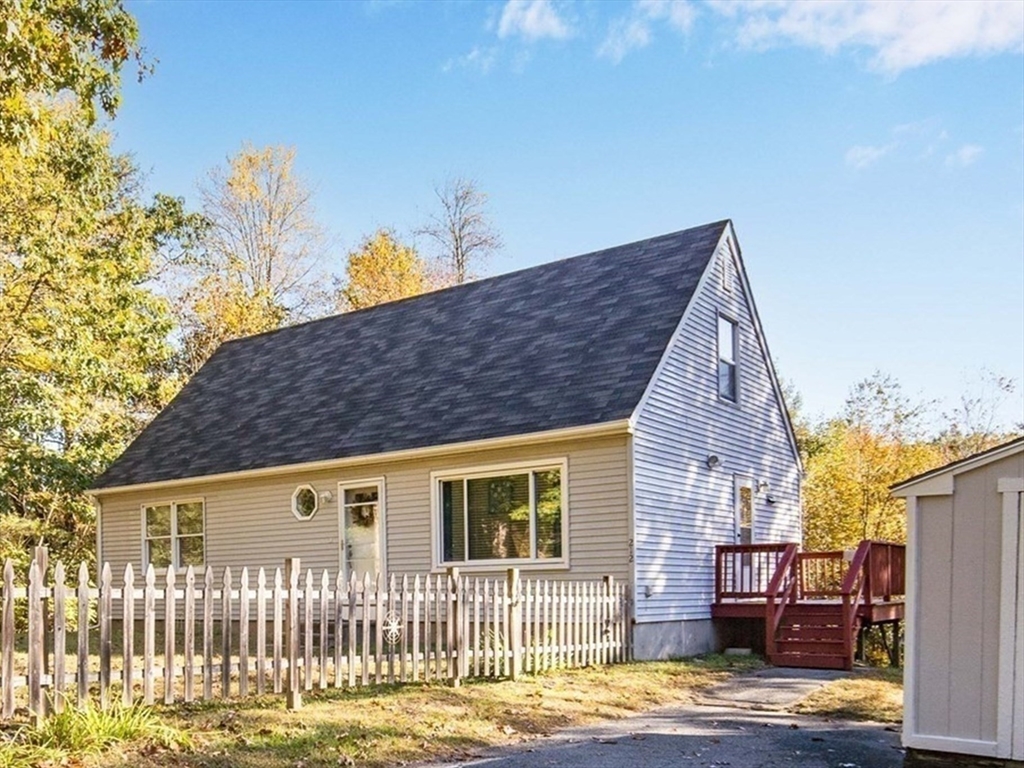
<point x="258" y="263"/>
<point x="381" y="269"/>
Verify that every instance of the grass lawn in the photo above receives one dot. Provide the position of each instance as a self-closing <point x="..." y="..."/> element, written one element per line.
<point x="393" y="725"/>
<point x="871" y="694"/>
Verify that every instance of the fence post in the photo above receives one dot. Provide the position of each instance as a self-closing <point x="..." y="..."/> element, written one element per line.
<point x="514" y="625"/>
<point x="456" y="651"/>
<point x="291" y="631"/>
<point x="42" y="556"/>
<point x="7" y="643"/>
<point x="35" y="643"/>
<point x="607" y="617"/>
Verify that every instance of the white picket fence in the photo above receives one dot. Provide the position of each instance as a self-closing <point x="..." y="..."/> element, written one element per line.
<point x="286" y="631"/>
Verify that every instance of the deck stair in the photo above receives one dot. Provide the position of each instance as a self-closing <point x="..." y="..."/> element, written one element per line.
<point x="814" y="604"/>
<point x="811" y="635"/>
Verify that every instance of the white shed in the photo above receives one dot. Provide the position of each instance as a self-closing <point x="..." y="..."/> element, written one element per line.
<point x="964" y="676"/>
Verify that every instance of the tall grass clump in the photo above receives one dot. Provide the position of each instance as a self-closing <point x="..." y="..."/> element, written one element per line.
<point x="89" y="731"/>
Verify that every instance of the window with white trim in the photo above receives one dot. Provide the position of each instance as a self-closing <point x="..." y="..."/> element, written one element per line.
<point x="502" y="515"/>
<point x="727" y="358"/>
<point x="174" y="534"/>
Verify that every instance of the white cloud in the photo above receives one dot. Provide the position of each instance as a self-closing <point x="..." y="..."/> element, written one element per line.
<point x="481" y="59"/>
<point x="902" y="34"/>
<point x="532" y="20"/>
<point x="862" y="156"/>
<point x="634" y="30"/>
<point x="964" y="156"/>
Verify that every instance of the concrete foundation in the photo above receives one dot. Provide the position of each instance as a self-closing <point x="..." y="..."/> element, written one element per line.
<point x="673" y="639"/>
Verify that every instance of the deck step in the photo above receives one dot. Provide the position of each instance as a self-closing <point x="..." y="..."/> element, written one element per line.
<point x="809" y="647"/>
<point x="808" y="660"/>
<point x="810" y="632"/>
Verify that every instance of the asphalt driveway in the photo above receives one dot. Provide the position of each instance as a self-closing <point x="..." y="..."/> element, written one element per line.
<point x="727" y="730"/>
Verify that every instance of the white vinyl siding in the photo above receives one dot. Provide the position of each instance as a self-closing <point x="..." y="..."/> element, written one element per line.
<point x="250" y="522"/>
<point x="683" y="508"/>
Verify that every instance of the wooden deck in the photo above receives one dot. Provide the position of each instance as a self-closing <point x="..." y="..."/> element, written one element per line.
<point x="813" y="604"/>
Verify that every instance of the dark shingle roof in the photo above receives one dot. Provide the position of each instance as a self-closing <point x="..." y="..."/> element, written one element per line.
<point x="564" y="344"/>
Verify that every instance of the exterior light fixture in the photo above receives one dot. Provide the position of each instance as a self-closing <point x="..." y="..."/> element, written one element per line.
<point x="712" y="461"/>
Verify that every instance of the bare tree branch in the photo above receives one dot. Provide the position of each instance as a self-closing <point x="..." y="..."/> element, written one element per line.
<point x="462" y="229"/>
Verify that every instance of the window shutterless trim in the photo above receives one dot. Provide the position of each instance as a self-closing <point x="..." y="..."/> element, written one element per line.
<point x="174" y="537"/>
<point x="735" y="362"/>
<point x="437" y="561"/>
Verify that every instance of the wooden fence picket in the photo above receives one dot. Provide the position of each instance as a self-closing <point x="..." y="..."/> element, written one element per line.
<point x="403" y="624"/>
<point x="149" y="634"/>
<point x="7" y="643"/>
<point x="378" y="635"/>
<point x="339" y="623"/>
<point x="208" y="634"/>
<point x="60" y="639"/>
<point x="225" y="634"/>
<point x="128" y="637"/>
<point x="350" y="656"/>
<point x="364" y="654"/>
<point x="261" y="631"/>
<point x="106" y="603"/>
<point x="278" y="628"/>
<point x="190" y="633"/>
<point x="82" y="596"/>
<point x="35" y="643"/>
<point x="325" y="605"/>
<point x="243" y="633"/>
<point x="416" y="603"/>
<point x="170" y="623"/>
<point x="307" y="635"/>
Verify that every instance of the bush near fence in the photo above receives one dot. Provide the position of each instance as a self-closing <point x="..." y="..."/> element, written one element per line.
<point x="180" y="636"/>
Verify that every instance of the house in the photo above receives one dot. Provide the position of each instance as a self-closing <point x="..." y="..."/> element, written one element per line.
<point x="615" y="413"/>
<point x="964" y="678"/>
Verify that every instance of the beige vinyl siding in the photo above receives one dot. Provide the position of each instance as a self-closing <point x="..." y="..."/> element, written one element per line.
<point x="250" y="523"/>
<point x="957" y="612"/>
<point x="683" y="508"/>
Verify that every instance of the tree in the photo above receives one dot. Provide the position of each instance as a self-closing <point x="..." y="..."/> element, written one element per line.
<point x="83" y="348"/>
<point x="972" y="425"/>
<point x="257" y="263"/>
<point x="877" y="442"/>
<point x="462" y="230"/>
<point x="381" y="269"/>
<point x="75" y="48"/>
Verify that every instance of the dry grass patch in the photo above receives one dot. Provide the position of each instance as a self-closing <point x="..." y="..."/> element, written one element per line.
<point x="395" y="725"/>
<point x="871" y="694"/>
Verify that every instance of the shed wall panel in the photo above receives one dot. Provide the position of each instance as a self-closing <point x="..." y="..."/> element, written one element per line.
<point x="933" y="641"/>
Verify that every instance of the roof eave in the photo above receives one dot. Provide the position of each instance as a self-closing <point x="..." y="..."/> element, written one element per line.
<point x="603" y="429"/>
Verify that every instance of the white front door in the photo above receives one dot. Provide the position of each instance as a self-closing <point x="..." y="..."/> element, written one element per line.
<point x="362" y="505"/>
<point x="744" y="507"/>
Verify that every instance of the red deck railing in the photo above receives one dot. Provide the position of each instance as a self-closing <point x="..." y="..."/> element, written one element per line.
<point x="781" y="575"/>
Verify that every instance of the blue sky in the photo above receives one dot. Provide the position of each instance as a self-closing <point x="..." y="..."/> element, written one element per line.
<point x="871" y="155"/>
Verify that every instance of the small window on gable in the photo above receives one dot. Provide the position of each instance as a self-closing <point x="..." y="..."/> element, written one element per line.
<point x="728" y="356"/>
<point x="727" y="269"/>
<point x="174" y="534"/>
<point x="305" y="502"/>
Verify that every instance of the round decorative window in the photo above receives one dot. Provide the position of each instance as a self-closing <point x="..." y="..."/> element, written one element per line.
<point x="305" y="502"/>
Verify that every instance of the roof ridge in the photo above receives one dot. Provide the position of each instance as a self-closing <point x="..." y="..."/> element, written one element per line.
<point x="473" y="283"/>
